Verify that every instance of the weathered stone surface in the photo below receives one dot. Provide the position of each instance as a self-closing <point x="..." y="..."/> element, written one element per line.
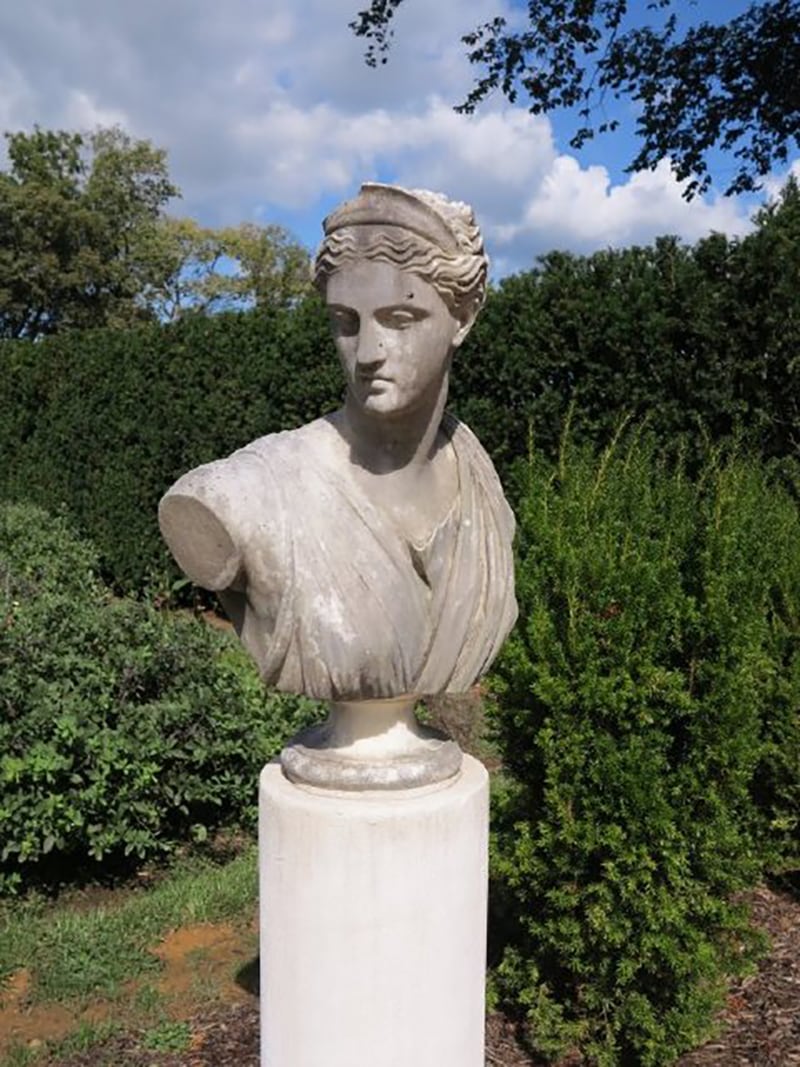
<point x="367" y="555"/>
<point x="371" y="744"/>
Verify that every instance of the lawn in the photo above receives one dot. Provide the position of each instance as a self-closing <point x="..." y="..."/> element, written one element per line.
<point x="144" y="956"/>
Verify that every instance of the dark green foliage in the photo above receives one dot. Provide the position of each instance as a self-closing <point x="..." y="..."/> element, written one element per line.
<point x="701" y="341"/>
<point x="122" y="730"/>
<point x="641" y="331"/>
<point x="764" y="322"/>
<point x="103" y="422"/>
<point x="78" y="218"/>
<point x="645" y="697"/>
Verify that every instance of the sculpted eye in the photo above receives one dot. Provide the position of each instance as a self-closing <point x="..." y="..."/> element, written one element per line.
<point x="400" y="318"/>
<point x="344" y="321"/>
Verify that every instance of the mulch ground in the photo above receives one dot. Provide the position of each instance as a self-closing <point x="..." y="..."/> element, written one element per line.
<point x="762" y="1017"/>
<point x="760" y="1026"/>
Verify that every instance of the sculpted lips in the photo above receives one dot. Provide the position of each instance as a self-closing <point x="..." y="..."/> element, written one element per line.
<point x="373" y="379"/>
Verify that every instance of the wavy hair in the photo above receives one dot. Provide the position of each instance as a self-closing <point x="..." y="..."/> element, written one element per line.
<point x="459" y="278"/>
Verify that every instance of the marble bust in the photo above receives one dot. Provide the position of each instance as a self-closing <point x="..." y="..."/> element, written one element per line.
<point x="368" y="554"/>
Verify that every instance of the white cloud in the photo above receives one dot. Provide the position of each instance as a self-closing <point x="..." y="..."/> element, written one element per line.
<point x="268" y="111"/>
<point x="776" y="182"/>
<point x="579" y="209"/>
<point x="83" y="112"/>
<point x="276" y="29"/>
<point x="15" y="95"/>
<point x="485" y="159"/>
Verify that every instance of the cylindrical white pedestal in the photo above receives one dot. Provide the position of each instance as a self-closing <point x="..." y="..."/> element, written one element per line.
<point x="373" y="924"/>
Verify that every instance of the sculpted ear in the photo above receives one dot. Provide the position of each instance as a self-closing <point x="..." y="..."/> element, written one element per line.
<point x="465" y="319"/>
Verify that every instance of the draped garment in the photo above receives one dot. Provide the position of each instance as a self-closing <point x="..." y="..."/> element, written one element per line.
<point x="332" y="599"/>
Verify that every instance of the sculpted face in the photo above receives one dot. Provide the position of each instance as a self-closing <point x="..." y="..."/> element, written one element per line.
<point x="394" y="334"/>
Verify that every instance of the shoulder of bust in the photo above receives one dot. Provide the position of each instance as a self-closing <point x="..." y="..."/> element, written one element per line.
<point x="289" y="442"/>
<point x="461" y="437"/>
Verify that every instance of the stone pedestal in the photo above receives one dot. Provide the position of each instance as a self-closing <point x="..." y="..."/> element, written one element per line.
<point x="373" y="923"/>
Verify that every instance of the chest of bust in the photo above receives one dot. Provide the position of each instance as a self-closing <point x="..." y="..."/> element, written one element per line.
<point x="416" y="501"/>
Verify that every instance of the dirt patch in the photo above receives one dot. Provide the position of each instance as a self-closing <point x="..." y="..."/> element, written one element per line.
<point x="229" y="1037"/>
<point x="219" y="622"/>
<point x="761" y="1020"/>
<point x="23" y="1023"/>
<point x="200" y="958"/>
<point x="202" y="982"/>
<point x="462" y="717"/>
<point x="201" y="964"/>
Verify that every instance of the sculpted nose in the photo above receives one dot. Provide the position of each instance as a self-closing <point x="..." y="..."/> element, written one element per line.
<point x="369" y="347"/>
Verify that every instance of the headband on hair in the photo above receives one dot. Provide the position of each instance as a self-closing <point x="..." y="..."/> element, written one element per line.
<point x="388" y="205"/>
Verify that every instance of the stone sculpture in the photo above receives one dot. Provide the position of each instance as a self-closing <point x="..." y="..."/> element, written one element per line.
<point x="366" y="557"/>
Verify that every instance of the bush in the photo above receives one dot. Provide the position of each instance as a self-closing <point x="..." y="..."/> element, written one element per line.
<point x="103" y="422"/>
<point x="700" y="340"/>
<point x="644" y="699"/>
<point x="122" y="731"/>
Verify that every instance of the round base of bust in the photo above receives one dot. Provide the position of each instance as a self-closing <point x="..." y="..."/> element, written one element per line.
<point x="371" y="744"/>
<point x="305" y="763"/>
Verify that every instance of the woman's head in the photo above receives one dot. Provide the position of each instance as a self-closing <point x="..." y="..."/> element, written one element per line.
<point x="416" y="231"/>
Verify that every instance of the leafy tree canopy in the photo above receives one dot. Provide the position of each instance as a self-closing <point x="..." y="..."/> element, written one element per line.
<point x="77" y="214"/>
<point x="85" y="241"/>
<point x="696" y="86"/>
<point x="205" y="270"/>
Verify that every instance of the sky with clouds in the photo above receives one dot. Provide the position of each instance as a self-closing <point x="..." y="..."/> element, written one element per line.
<point x="269" y="114"/>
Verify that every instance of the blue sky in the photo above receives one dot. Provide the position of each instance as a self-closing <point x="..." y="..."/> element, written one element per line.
<point x="616" y="150"/>
<point x="270" y="115"/>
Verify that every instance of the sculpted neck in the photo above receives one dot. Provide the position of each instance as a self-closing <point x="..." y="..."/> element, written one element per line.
<point x="384" y="443"/>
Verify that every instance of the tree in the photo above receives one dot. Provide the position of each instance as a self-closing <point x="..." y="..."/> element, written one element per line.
<point x="206" y="270"/>
<point x="765" y="318"/>
<point x="730" y="86"/>
<point x="77" y="221"/>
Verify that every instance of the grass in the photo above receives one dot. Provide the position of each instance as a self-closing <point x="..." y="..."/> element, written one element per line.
<point x="168" y="1036"/>
<point x="81" y="1040"/>
<point x="79" y="955"/>
<point x="20" y="1057"/>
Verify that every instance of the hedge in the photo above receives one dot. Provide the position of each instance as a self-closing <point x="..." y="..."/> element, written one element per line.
<point x="648" y="720"/>
<point x="701" y="341"/>
<point x="103" y="422"/>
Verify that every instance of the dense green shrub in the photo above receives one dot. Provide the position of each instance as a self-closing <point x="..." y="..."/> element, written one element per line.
<point x="701" y="340"/>
<point x="122" y="730"/>
<point x="103" y="422"/>
<point x="648" y="718"/>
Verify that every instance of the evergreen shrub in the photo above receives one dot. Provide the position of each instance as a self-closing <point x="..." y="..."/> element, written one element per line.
<point x="700" y="340"/>
<point x="648" y="720"/>
<point x="103" y="422"/>
<point x="123" y="731"/>
<point x="635" y="331"/>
